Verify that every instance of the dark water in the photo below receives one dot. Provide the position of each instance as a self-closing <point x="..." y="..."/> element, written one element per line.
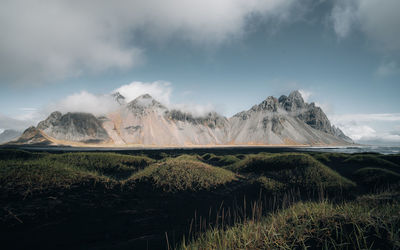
<point x="225" y="150"/>
<point x="358" y="149"/>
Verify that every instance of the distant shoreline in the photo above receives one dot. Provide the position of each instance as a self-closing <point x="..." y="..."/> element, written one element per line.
<point x="216" y="149"/>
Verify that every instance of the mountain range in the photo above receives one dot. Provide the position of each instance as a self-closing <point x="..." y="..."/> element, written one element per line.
<point x="287" y="120"/>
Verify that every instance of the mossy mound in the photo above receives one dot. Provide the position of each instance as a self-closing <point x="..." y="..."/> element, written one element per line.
<point x="330" y="158"/>
<point x="295" y="170"/>
<point x="219" y="160"/>
<point x="371" y="160"/>
<point x="174" y="175"/>
<point x="29" y="176"/>
<point x="15" y="154"/>
<point x="395" y="158"/>
<point x="311" y="226"/>
<point x="109" y="164"/>
<point x="188" y="157"/>
<point x="373" y="178"/>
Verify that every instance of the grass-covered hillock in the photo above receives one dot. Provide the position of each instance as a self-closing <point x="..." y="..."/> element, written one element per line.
<point x="370" y="160"/>
<point x="294" y="170"/>
<point x="374" y="178"/>
<point x="12" y="154"/>
<point x="109" y="164"/>
<point x="29" y="176"/>
<point x="330" y="158"/>
<point x="187" y="157"/>
<point x="352" y="225"/>
<point x="230" y="198"/>
<point x="175" y="175"/>
<point x="219" y="160"/>
<point x="27" y="172"/>
<point x="395" y="158"/>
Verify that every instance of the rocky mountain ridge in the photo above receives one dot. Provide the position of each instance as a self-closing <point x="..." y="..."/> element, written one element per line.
<point x="288" y="120"/>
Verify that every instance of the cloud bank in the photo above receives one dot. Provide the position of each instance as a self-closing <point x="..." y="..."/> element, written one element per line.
<point x="159" y="90"/>
<point x="376" y="129"/>
<point x="45" y="41"/>
<point x="378" y="20"/>
<point x="101" y="104"/>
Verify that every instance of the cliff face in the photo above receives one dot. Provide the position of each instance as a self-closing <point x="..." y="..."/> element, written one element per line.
<point x="309" y="113"/>
<point x="33" y="135"/>
<point x="284" y="121"/>
<point x="287" y="120"/>
<point x="146" y="121"/>
<point x="80" y="127"/>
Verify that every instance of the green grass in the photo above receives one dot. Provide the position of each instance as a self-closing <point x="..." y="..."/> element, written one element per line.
<point x="175" y="175"/>
<point x="25" y="172"/>
<point x="322" y="225"/>
<point x="369" y="221"/>
<point x="295" y="171"/>
<point x="219" y="160"/>
<point x="270" y="185"/>
<point x="12" y="154"/>
<point x="109" y="164"/>
<point x="29" y="176"/>
<point x="187" y="157"/>
<point x="395" y="158"/>
<point x="371" y="160"/>
<point x="373" y="178"/>
<point x="330" y="158"/>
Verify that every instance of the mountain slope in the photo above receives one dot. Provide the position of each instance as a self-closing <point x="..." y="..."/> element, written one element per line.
<point x="287" y="120"/>
<point x="144" y="121"/>
<point x="82" y="127"/>
<point x="9" y="135"/>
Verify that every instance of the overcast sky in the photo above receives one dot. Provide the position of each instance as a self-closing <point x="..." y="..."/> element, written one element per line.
<point x="224" y="55"/>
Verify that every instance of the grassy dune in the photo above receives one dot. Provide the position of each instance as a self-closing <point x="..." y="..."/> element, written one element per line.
<point x="353" y="225"/>
<point x="292" y="170"/>
<point x="231" y="200"/>
<point x="374" y="178"/>
<point x="175" y="175"/>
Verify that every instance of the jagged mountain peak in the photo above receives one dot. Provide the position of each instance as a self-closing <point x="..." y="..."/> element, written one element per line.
<point x="145" y="96"/>
<point x="296" y="95"/>
<point x="269" y="104"/>
<point x="144" y="102"/>
<point x="294" y="102"/>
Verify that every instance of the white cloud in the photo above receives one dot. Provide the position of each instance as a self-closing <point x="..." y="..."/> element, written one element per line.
<point x="50" y="40"/>
<point x="388" y="68"/>
<point x="309" y="96"/>
<point x="388" y="117"/>
<point x="305" y="94"/>
<point x="101" y="104"/>
<point x="379" y="129"/>
<point x="343" y="17"/>
<point x="358" y="132"/>
<point x="196" y="110"/>
<point x="84" y="102"/>
<point x="378" y="20"/>
<point x="159" y="90"/>
<point x="7" y="122"/>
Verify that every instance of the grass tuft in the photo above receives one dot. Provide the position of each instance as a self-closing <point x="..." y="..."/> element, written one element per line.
<point x="322" y="225"/>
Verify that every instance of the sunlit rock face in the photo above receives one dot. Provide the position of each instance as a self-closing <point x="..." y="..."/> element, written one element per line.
<point x="145" y="121"/>
<point x="82" y="127"/>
